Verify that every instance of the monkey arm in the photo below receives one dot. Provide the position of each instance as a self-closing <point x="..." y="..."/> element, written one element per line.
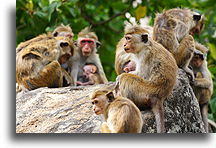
<point x="67" y="77"/>
<point x="185" y="50"/>
<point x="202" y="82"/>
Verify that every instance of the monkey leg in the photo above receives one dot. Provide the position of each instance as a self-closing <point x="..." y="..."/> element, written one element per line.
<point x="105" y="128"/>
<point x="67" y="79"/>
<point x="204" y="113"/>
<point x="158" y="111"/>
<point x="184" y="53"/>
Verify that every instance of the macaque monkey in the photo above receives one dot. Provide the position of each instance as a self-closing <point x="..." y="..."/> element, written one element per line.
<point x="129" y="66"/>
<point x="37" y="63"/>
<point x="87" y="44"/>
<point x="203" y="84"/>
<point x="172" y="29"/>
<point x="63" y="30"/>
<point x="121" y="115"/>
<point x="155" y="75"/>
<point x="90" y="73"/>
<point x="124" y="62"/>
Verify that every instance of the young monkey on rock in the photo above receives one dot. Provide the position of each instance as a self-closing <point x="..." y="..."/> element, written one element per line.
<point x="203" y="84"/>
<point x="121" y="115"/>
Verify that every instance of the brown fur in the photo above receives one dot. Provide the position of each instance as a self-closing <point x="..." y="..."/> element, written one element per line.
<point x="79" y="60"/>
<point x="121" y="57"/>
<point x="203" y="84"/>
<point x="63" y="30"/>
<point x="172" y="29"/>
<point x="154" y="78"/>
<point x="121" y="114"/>
<point x="37" y="65"/>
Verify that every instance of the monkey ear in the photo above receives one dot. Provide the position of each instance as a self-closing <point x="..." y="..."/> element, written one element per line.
<point x="110" y="96"/>
<point x="144" y="38"/>
<point x="98" y="44"/>
<point x="196" y="17"/>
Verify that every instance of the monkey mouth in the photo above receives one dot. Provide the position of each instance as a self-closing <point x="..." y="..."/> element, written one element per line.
<point x="127" y="49"/>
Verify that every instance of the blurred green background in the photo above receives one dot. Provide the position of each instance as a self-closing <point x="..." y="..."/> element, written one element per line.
<point x="107" y="18"/>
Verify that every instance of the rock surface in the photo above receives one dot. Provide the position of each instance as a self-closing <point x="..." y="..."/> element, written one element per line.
<point x="68" y="110"/>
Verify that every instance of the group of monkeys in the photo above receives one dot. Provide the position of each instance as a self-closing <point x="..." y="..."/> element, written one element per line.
<point x="147" y="61"/>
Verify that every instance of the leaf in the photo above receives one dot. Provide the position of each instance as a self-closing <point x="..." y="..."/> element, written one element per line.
<point x="29" y="5"/>
<point x="40" y="14"/>
<point x="212" y="50"/>
<point x="52" y="7"/>
<point x="140" y="12"/>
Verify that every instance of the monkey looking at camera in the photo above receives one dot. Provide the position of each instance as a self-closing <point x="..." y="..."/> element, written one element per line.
<point x="87" y="44"/>
<point x="155" y="75"/>
<point x="121" y="115"/>
<point x="91" y="76"/>
<point x="172" y="29"/>
<point x="203" y="84"/>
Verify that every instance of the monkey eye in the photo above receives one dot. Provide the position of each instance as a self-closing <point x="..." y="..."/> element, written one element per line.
<point x="83" y="41"/>
<point x="55" y="34"/>
<point x="196" y="17"/>
<point x="127" y="38"/>
<point x="95" y="102"/>
<point x="46" y="53"/>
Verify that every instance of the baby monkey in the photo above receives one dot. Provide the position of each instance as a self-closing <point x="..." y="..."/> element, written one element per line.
<point x="129" y="66"/>
<point x="121" y="115"/>
<point x="90" y="75"/>
<point x="203" y="84"/>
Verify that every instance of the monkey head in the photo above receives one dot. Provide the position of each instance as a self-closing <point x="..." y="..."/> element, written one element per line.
<point x="136" y="37"/>
<point x="198" y="59"/>
<point x="199" y="23"/>
<point x="63" y="30"/>
<point x="89" y="69"/>
<point x="87" y="42"/>
<point x="66" y="49"/>
<point x="101" y="100"/>
<point x="129" y="66"/>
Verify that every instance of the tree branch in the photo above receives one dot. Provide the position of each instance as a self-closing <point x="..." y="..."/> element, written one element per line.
<point x="93" y="24"/>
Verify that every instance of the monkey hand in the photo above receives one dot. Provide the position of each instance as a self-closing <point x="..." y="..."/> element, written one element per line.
<point x="79" y="83"/>
<point x="188" y="42"/>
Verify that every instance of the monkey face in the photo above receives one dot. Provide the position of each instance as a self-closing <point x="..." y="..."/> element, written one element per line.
<point x="199" y="21"/>
<point x="99" y="104"/>
<point x="197" y="61"/>
<point x="129" y="66"/>
<point x="129" y="43"/>
<point x="88" y="69"/>
<point x="87" y="45"/>
<point x="64" y="31"/>
<point x="134" y="43"/>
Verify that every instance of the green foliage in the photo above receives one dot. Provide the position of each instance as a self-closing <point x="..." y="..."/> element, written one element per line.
<point x="107" y="17"/>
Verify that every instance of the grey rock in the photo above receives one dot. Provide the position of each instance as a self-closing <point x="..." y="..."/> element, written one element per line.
<point x="68" y="110"/>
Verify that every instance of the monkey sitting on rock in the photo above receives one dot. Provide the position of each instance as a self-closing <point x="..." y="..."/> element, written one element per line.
<point x="155" y="75"/>
<point x="38" y="65"/>
<point x="121" y="115"/>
